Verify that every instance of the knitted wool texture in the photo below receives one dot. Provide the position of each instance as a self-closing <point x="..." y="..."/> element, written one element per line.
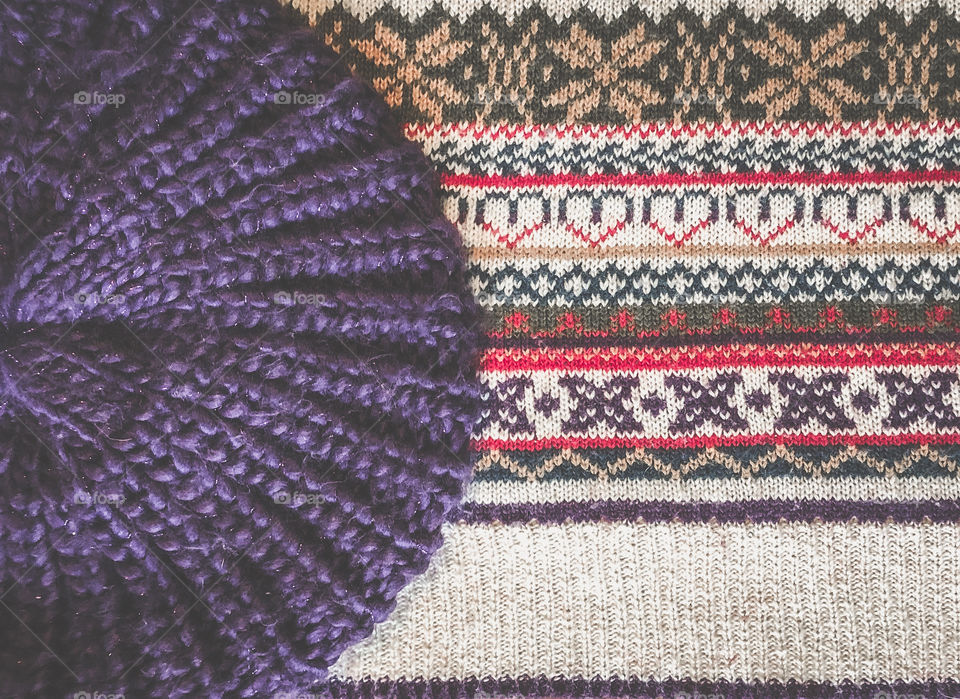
<point x="717" y="246"/>
<point x="236" y="363"/>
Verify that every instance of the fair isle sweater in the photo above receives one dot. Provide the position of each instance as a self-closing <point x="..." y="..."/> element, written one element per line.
<point x="716" y="248"/>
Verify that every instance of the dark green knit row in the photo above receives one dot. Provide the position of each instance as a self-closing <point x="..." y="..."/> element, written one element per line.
<point x="747" y="320"/>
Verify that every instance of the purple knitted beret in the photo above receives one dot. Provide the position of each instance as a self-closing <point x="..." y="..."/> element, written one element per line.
<point x="236" y="367"/>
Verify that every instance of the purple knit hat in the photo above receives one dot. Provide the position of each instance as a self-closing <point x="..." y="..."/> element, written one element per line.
<point x="236" y="365"/>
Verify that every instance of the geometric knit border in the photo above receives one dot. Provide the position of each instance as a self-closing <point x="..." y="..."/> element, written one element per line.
<point x="457" y="66"/>
<point x="712" y="463"/>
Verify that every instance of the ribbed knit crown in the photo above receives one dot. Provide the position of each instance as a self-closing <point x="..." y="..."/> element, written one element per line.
<point x="237" y="351"/>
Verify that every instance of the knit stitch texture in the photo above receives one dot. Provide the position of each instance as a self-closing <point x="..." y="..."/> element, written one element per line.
<point x="717" y="246"/>
<point x="237" y="372"/>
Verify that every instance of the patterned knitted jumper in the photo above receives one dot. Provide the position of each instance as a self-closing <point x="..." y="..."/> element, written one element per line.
<point x="716" y="244"/>
<point x="235" y="371"/>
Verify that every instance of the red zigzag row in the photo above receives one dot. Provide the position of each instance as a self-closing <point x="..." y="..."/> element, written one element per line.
<point x="718" y="179"/>
<point x="746" y="128"/>
<point x="652" y="358"/>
